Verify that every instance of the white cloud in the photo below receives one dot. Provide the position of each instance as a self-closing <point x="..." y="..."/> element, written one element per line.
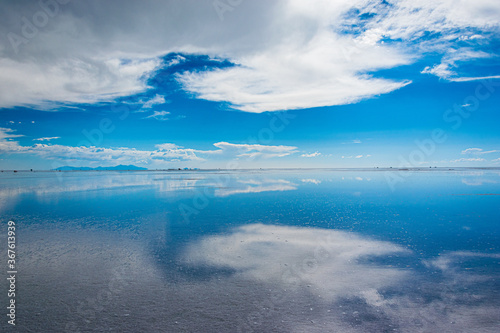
<point x="47" y="138"/>
<point x="315" y="154"/>
<point x="157" y="100"/>
<point x="288" y="54"/>
<point x="468" y="160"/>
<point x="176" y="60"/>
<point x="472" y="151"/>
<point x="312" y="181"/>
<point x="6" y="135"/>
<point x="159" y="115"/>
<point x="125" y="155"/>
<point x="465" y="38"/>
<point x="70" y="81"/>
<point x="412" y="19"/>
<point x="359" y="156"/>
<point x="440" y="70"/>
<point x="446" y="69"/>
<point x="302" y="74"/>
<point x="254" y="150"/>
<point x="452" y="20"/>
<point x="167" y="146"/>
<point x="356" y="141"/>
<point x="478" y="151"/>
<point x="254" y="186"/>
<point x="476" y="78"/>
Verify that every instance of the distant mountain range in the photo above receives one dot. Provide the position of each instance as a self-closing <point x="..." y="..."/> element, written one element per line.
<point x="100" y="168"/>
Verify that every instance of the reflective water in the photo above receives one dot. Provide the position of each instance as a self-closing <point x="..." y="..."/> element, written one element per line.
<point x="254" y="251"/>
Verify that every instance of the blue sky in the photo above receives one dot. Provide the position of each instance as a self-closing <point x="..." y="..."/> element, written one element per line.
<point x="244" y="84"/>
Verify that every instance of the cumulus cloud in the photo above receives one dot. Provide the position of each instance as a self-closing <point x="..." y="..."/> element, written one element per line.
<point x="167" y="146"/>
<point x="315" y="154"/>
<point x="286" y="54"/>
<point x="47" y="138"/>
<point x="125" y="155"/>
<point x="254" y="150"/>
<point x="303" y="75"/>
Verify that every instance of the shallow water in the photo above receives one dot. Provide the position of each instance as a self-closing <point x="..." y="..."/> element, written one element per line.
<point x="254" y="251"/>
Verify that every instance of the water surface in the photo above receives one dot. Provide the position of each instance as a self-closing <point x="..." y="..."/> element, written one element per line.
<point x="255" y="251"/>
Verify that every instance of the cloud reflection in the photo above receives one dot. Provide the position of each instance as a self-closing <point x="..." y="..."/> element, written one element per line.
<point x="56" y="183"/>
<point x="255" y="186"/>
<point x="334" y="263"/>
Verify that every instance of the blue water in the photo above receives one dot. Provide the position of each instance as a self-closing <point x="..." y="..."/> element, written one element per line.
<point x="254" y="251"/>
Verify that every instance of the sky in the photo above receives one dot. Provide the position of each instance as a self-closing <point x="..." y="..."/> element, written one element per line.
<point x="249" y="84"/>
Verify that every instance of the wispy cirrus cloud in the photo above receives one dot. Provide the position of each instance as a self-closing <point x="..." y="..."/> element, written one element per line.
<point x="357" y="156"/>
<point x="451" y="62"/>
<point x="478" y="151"/>
<point x="474" y="159"/>
<point x="156" y="100"/>
<point x="8" y="133"/>
<point x="158" y="115"/>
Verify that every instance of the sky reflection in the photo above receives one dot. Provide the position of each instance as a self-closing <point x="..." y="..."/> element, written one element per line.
<point x="282" y="251"/>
